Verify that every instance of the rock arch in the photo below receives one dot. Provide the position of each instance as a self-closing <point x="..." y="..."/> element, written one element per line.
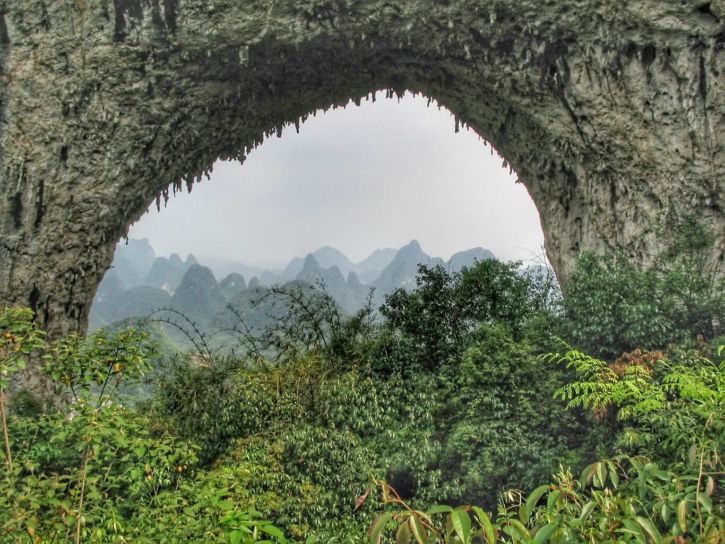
<point x="609" y="111"/>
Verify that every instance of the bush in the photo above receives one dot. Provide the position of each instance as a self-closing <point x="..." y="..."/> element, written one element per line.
<point x="502" y="427"/>
<point x="613" y="307"/>
<point x="434" y="322"/>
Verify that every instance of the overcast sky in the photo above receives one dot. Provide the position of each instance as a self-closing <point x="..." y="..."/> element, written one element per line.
<point x="357" y="179"/>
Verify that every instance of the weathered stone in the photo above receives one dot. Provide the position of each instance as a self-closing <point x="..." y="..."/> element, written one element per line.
<point x="610" y="111"/>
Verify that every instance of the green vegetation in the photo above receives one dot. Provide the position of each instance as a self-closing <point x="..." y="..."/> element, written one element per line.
<point x="480" y="387"/>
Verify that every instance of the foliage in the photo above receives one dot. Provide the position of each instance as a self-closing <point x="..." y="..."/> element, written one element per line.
<point x="447" y="397"/>
<point x="434" y="321"/>
<point x="613" y="307"/>
<point x="216" y="402"/>
<point x="671" y="404"/>
<point x="313" y="322"/>
<point x="502" y="427"/>
<point x="624" y="499"/>
<point x="19" y="340"/>
<point x="677" y="401"/>
<point x="93" y="367"/>
<point x="97" y="471"/>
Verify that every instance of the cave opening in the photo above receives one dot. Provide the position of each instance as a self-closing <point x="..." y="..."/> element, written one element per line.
<point x="370" y="178"/>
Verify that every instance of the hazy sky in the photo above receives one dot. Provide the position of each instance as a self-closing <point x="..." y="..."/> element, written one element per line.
<point x="357" y="179"/>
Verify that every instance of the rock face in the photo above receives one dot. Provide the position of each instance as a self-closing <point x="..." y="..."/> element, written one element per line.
<point x="610" y="112"/>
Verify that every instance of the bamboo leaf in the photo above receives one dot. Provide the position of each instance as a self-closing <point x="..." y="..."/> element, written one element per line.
<point x="587" y="510"/>
<point x="634" y="529"/>
<point x="440" y="509"/>
<point x="601" y="471"/>
<point x="418" y="529"/>
<point x="553" y="501"/>
<point x="543" y="534"/>
<point x="534" y="498"/>
<point x="587" y="475"/>
<point x="682" y="515"/>
<point x="271" y="530"/>
<point x="705" y="502"/>
<point x="485" y="522"/>
<point x="403" y="534"/>
<point x="650" y="529"/>
<point x="378" y="526"/>
<point x="461" y="525"/>
<point x="518" y="528"/>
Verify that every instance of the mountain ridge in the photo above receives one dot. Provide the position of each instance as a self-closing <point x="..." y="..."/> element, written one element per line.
<point x="190" y="286"/>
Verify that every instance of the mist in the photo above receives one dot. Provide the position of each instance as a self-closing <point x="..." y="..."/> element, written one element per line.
<point x="355" y="178"/>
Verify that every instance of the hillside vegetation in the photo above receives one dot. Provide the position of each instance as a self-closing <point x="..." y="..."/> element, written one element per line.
<point x="596" y="417"/>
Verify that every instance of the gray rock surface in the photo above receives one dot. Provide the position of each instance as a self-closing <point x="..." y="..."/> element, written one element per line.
<point x="609" y="111"/>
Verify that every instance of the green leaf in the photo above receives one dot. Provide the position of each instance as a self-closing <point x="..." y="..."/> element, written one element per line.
<point x="378" y="526"/>
<point x="276" y="532"/>
<point x="601" y="472"/>
<point x="705" y="502"/>
<point x="225" y="505"/>
<point x="403" y="534"/>
<point x="518" y="528"/>
<point x="665" y="513"/>
<point x="587" y="510"/>
<point x="440" y="509"/>
<point x="587" y="474"/>
<point x="485" y="522"/>
<point x="613" y="476"/>
<point x="543" y="534"/>
<point x="682" y="515"/>
<point x="533" y="498"/>
<point x="553" y="500"/>
<point x="418" y="529"/>
<point x="633" y="528"/>
<point x="461" y="525"/>
<point x="650" y="529"/>
<point x="235" y="537"/>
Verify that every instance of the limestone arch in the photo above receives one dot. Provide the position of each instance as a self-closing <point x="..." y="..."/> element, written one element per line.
<point x="608" y="111"/>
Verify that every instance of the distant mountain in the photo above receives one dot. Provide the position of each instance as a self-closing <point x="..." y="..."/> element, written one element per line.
<point x="349" y="295"/>
<point x="402" y="270"/>
<point x="293" y="269"/>
<point x="139" y="282"/>
<point x="254" y="283"/>
<point x="268" y="278"/>
<point x="135" y="302"/>
<point x="233" y="284"/>
<point x="132" y="261"/>
<point x="256" y="316"/>
<point x="312" y="272"/>
<point x="370" y="268"/>
<point x="109" y="286"/>
<point x="468" y="258"/>
<point x="377" y="260"/>
<point x="222" y="267"/>
<point x="199" y="296"/>
<point x="167" y="274"/>
<point x="329" y="256"/>
<point x="326" y="257"/>
<point x="354" y="281"/>
<point x="366" y="270"/>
